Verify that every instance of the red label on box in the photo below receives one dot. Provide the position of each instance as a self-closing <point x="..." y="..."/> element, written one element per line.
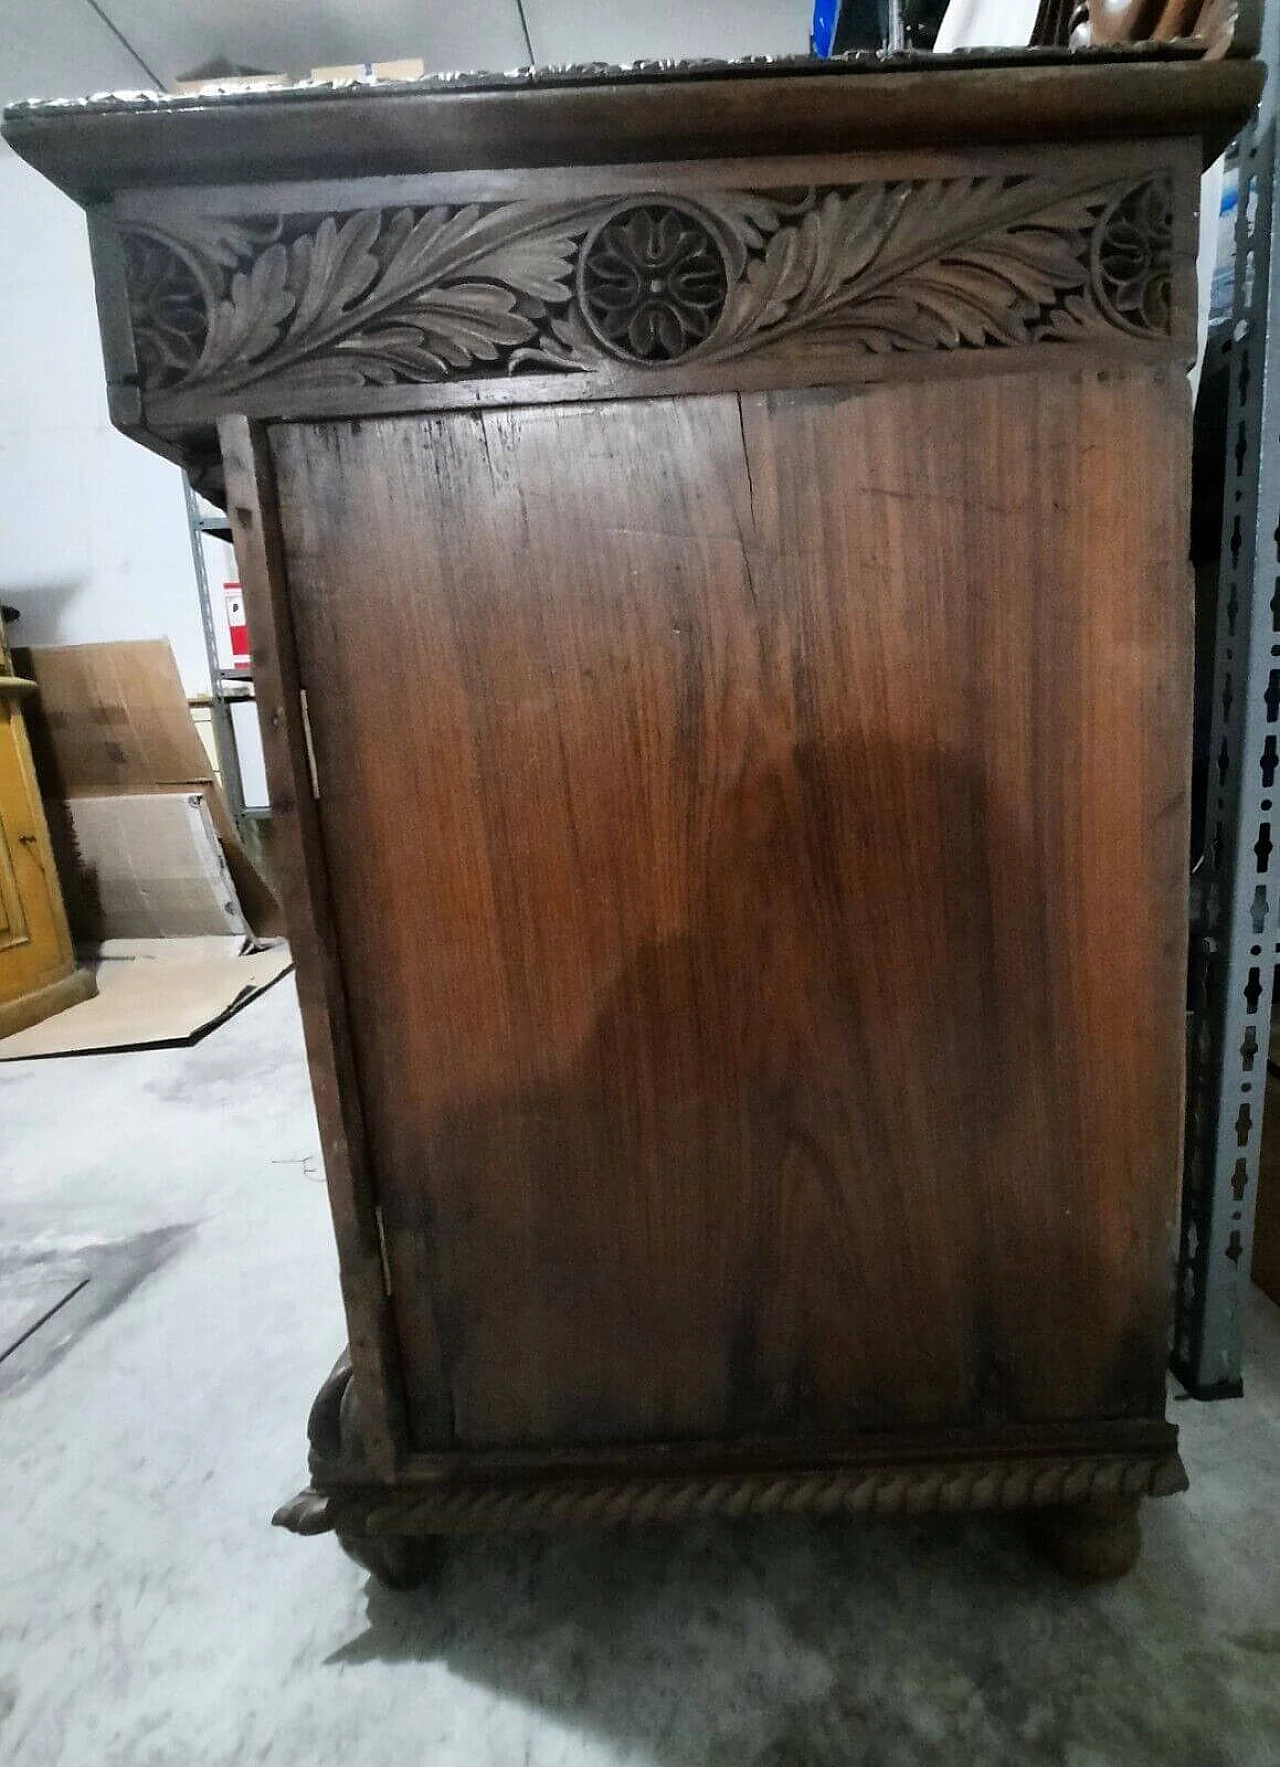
<point x="236" y="622"/>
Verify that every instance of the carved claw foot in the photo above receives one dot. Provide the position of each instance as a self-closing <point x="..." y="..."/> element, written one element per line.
<point x="399" y="1561"/>
<point x="1094" y="1542"/>
<point x="307" y="1513"/>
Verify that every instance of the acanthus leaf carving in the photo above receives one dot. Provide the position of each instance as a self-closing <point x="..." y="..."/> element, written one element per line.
<point x="383" y="297"/>
<point x="422" y="294"/>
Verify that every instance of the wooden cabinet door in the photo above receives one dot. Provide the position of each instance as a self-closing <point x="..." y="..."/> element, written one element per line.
<point x="38" y="975"/>
<point x="756" y="835"/>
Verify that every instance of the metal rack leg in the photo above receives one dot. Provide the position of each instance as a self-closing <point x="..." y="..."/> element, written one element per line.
<point x="1235" y="944"/>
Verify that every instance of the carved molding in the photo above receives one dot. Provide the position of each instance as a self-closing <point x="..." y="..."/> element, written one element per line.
<point x="479" y="1506"/>
<point x="385" y="297"/>
<point x="474" y="1503"/>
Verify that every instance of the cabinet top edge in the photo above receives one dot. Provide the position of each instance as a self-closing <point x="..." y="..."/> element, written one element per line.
<point x="92" y="147"/>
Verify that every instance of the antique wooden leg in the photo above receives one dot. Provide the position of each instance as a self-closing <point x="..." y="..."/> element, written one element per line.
<point x="399" y="1561"/>
<point x="1092" y="1542"/>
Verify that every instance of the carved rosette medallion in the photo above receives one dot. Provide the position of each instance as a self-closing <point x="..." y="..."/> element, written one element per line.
<point x="409" y="296"/>
<point x="167" y="308"/>
<point x="652" y="281"/>
<point x="1132" y="254"/>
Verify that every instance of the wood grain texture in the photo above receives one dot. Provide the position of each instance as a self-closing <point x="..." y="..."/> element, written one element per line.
<point x="747" y="1037"/>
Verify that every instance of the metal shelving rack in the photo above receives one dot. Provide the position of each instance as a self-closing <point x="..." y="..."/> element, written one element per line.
<point x="1234" y="938"/>
<point x="223" y="682"/>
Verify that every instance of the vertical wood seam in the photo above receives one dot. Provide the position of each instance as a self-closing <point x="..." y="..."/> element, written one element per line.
<point x="251" y="504"/>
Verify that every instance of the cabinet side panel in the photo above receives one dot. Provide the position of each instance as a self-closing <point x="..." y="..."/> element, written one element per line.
<point x="304" y="886"/>
<point x="756" y="829"/>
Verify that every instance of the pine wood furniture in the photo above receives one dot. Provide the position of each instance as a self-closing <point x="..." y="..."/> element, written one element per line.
<point x="716" y="547"/>
<point x="38" y="973"/>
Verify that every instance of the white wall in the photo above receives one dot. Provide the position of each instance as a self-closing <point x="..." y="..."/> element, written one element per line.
<point x="621" y="31"/>
<point x="93" y="535"/>
<point x="295" y="35"/>
<point x="93" y="532"/>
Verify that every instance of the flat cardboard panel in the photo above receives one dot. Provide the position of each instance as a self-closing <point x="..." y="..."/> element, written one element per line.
<point x="155" y="991"/>
<point x="148" y="866"/>
<point x="113" y="718"/>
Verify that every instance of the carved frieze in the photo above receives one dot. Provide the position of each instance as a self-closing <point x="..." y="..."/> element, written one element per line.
<point x="409" y="295"/>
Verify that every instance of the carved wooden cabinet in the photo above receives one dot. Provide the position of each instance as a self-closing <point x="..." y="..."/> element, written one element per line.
<point x="715" y="545"/>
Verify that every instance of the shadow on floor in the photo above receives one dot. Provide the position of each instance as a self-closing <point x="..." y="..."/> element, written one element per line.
<point x="50" y="1294"/>
<point x="812" y="1644"/>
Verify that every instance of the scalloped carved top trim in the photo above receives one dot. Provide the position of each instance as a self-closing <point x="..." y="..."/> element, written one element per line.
<point x="380" y="297"/>
<point x="852" y="62"/>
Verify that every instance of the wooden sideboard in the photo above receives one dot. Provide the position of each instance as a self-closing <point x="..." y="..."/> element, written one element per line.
<point x="716" y="549"/>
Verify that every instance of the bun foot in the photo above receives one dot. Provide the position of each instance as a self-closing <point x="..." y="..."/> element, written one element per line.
<point x="398" y="1561"/>
<point x="1094" y="1542"/>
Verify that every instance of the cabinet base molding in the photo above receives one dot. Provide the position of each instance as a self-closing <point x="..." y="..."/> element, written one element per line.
<point x="1097" y="1477"/>
<point x="42" y="1003"/>
<point x="469" y="1506"/>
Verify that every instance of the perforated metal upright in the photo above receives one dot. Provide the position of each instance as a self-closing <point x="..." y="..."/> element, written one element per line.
<point x="224" y="736"/>
<point x="1234" y="948"/>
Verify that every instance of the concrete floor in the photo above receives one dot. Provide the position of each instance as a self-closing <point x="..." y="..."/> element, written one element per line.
<point x="149" y="1617"/>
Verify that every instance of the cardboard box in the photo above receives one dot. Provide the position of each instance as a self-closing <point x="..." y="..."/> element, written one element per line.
<point x="368" y="72"/>
<point x="113" y="720"/>
<point x="149" y="866"/>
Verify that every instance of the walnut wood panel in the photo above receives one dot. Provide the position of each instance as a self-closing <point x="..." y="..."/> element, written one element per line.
<point x="756" y="835"/>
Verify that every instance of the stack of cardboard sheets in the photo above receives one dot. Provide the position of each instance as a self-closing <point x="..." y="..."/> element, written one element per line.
<point x="161" y="895"/>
